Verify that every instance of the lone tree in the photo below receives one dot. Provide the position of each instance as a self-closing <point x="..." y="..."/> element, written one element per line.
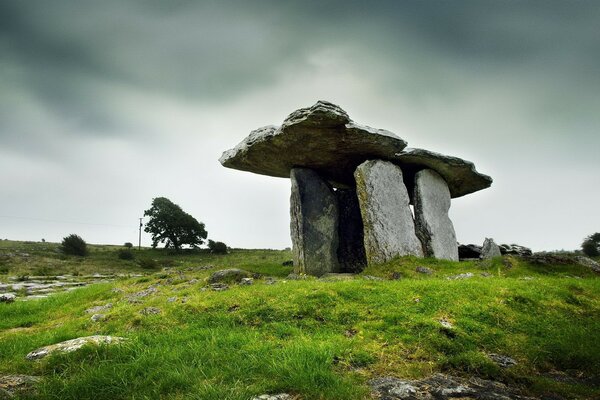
<point x="171" y="225"/>
<point x="74" y="245"/>
<point x="591" y="245"/>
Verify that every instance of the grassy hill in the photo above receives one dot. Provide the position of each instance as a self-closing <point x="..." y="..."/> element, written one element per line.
<point x="313" y="338"/>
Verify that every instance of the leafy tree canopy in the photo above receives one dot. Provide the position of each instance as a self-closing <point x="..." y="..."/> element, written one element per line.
<point x="171" y="225"/>
<point x="591" y="245"/>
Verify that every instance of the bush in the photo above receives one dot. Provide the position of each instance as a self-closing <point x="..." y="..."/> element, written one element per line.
<point x="148" y="263"/>
<point x="125" y="254"/>
<point x="129" y="245"/>
<point x="74" y="245"/>
<point x="591" y="245"/>
<point x="217" y="247"/>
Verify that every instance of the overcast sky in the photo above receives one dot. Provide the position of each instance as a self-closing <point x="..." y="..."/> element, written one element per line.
<point x="107" y="104"/>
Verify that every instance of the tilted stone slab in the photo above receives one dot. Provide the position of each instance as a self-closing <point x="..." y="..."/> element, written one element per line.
<point x="490" y="249"/>
<point x="73" y="345"/>
<point x="321" y="137"/>
<point x="433" y="225"/>
<point x="389" y="228"/>
<point x="351" y="250"/>
<point x="460" y="175"/>
<point x="314" y="223"/>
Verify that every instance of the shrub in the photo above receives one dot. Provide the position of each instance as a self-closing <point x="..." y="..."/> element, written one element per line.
<point x="125" y="254"/>
<point x="217" y="247"/>
<point x="74" y="245"/>
<point x="591" y="245"/>
<point x="129" y="245"/>
<point x="148" y="263"/>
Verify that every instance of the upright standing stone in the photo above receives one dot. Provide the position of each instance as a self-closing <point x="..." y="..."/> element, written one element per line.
<point x="389" y="228"/>
<point x="351" y="250"/>
<point x="433" y="225"/>
<point x="490" y="249"/>
<point x="314" y="223"/>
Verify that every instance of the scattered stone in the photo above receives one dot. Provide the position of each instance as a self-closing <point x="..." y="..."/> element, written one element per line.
<point x="588" y="262"/>
<point x="228" y="275"/>
<point x="396" y="276"/>
<point x="193" y="281"/>
<point x="490" y="249"/>
<point x="389" y="228"/>
<point x="350" y="333"/>
<point x="134" y="298"/>
<point x="502" y="361"/>
<point x="97" y="309"/>
<point x="288" y="263"/>
<point x="14" y="385"/>
<point x="445" y="323"/>
<point x="424" y="270"/>
<point x="485" y="274"/>
<point x="372" y="278"/>
<point x="351" y="248"/>
<point x="515" y="250"/>
<point x="527" y="278"/>
<point x="280" y="396"/>
<point x="442" y="387"/>
<point x="219" y="287"/>
<point x="270" y="280"/>
<point x="73" y="345"/>
<point x="117" y="290"/>
<point x="150" y="311"/>
<point x="7" y="297"/>
<point x="98" y="317"/>
<point x="247" y="281"/>
<point x="433" y="225"/>
<point x="469" y="251"/>
<point x="172" y="299"/>
<point x="314" y="223"/>
<point x="466" y="275"/>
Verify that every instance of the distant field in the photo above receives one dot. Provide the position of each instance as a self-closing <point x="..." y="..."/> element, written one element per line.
<point x="316" y="339"/>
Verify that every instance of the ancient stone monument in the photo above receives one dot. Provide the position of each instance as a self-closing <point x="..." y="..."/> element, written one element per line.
<point x="353" y="187"/>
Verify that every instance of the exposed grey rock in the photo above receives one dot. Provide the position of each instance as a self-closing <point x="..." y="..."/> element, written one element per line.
<point x="280" y="396"/>
<point x="247" y="281"/>
<point x="460" y="175"/>
<point x="515" y="250"/>
<point x="490" y="249"/>
<point x="7" y="297"/>
<point x="97" y="309"/>
<point x="141" y="294"/>
<point x="14" y="385"/>
<point x="150" y="311"/>
<point x="469" y="251"/>
<point x="172" y="299"/>
<point x="424" y="270"/>
<point x="219" y="287"/>
<point x="321" y="137"/>
<point x="314" y="223"/>
<point x="466" y="275"/>
<point x="502" y="361"/>
<point x="372" y="278"/>
<point x="98" y="317"/>
<point x="228" y="275"/>
<point x="446" y="324"/>
<point x="433" y="225"/>
<point x="442" y="387"/>
<point x="351" y="249"/>
<point x="73" y="345"/>
<point x="389" y="228"/>
<point x="588" y="262"/>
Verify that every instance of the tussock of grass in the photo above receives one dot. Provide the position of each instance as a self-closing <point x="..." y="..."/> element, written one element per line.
<point x="315" y="339"/>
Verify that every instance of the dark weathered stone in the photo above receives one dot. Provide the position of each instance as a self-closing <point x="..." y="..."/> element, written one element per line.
<point x="515" y="250"/>
<point x="314" y="223"/>
<point x="321" y="137"/>
<point x="351" y="249"/>
<point x="228" y="275"/>
<point x="433" y="225"/>
<point x="389" y="228"/>
<point x="467" y="251"/>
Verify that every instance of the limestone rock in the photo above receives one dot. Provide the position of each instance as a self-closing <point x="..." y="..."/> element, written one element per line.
<point x="321" y="137"/>
<point x="515" y="250"/>
<point x="468" y="251"/>
<point x="228" y="275"/>
<point x="13" y="385"/>
<point x="424" y="270"/>
<point x="97" y="309"/>
<point x="351" y="249"/>
<point x="98" y="317"/>
<point x="490" y="249"/>
<point x="7" y="297"/>
<point x="460" y="175"/>
<point x="501" y="360"/>
<point x="280" y="396"/>
<point x="150" y="311"/>
<point x="389" y="228"/>
<point x="314" y="223"/>
<point x="433" y="225"/>
<point x="73" y="345"/>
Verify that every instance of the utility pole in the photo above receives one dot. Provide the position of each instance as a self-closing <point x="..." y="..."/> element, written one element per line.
<point x="140" y="237"/>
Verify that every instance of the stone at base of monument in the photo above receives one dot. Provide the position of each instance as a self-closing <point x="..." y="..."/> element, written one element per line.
<point x="389" y="228"/>
<point x="433" y="225"/>
<point x="351" y="250"/>
<point x="314" y="223"/>
<point x="490" y="249"/>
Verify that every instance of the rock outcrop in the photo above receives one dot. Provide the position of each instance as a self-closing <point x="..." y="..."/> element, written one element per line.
<point x="490" y="249"/>
<point x="389" y="228"/>
<point x="515" y="250"/>
<point x="433" y="225"/>
<point x="73" y="345"/>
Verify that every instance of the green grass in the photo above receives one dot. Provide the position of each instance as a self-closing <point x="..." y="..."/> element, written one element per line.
<point x="312" y="338"/>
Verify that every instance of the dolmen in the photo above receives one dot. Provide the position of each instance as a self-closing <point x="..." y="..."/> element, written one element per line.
<point x="353" y="187"/>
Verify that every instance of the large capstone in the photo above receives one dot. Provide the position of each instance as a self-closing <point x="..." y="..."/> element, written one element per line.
<point x="314" y="223"/>
<point x="351" y="250"/>
<point x="433" y="225"/>
<point x="389" y="228"/>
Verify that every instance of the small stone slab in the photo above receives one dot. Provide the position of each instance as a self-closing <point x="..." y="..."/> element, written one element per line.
<point x="73" y="345"/>
<point x="460" y="175"/>
<point x="433" y="225"/>
<point x="389" y="228"/>
<point x="321" y="137"/>
<point x="314" y="223"/>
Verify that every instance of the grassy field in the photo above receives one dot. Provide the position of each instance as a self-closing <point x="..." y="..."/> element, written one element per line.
<point x="316" y="339"/>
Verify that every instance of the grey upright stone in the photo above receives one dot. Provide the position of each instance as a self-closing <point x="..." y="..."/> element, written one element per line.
<point x="490" y="249"/>
<point x="433" y="225"/>
<point x="314" y="223"/>
<point x="351" y="250"/>
<point x="389" y="228"/>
